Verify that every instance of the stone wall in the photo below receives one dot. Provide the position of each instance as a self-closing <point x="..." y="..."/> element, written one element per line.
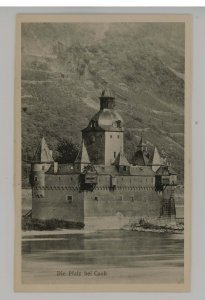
<point x="62" y="200"/>
<point x="133" y="197"/>
<point x="104" y="181"/>
<point x="124" y="202"/>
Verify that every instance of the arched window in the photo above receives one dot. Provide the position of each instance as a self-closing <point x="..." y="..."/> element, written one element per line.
<point x="93" y="123"/>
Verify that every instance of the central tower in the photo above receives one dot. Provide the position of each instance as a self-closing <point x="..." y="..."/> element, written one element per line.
<point x="103" y="137"/>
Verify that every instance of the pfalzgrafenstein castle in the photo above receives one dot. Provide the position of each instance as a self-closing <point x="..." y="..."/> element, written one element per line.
<point x="102" y="189"/>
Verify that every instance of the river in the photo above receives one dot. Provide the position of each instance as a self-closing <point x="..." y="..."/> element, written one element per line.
<point x="114" y="256"/>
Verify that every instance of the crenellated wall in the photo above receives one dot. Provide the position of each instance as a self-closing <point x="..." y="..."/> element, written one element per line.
<point x="106" y="206"/>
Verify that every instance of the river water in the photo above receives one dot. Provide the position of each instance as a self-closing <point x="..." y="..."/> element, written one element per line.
<point x="103" y="257"/>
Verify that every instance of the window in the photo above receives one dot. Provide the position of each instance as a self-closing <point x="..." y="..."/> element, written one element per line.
<point x="118" y="136"/>
<point x="132" y="198"/>
<point x="118" y="123"/>
<point x="114" y="154"/>
<point x="69" y="198"/>
<point x="124" y="168"/>
<point x="43" y="167"/>
<point x="35" y="178"/>
<point x="96" y="198"/>
<point x="111" y="136"/>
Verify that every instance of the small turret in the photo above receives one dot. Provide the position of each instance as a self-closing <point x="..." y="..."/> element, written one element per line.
<point x="141" y="156"/>
<point x="40" y="164"/>
<point x="107" y="100"/>
<point x="121" y="162"/>
<point x="82" y="160"/>
<point x="156" y="161"/>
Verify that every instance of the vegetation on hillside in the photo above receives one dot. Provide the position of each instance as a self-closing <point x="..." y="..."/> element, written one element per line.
<point x="65" y="67"/>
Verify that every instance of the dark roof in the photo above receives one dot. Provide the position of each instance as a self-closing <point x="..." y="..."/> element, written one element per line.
<point x="141" y="158"/>
<point x="106" y="170"/>
<point x="63" y="169"/>
<point x="141" y="171"/>
<point x="68" y="169"/>
<point x="166" y="171"/>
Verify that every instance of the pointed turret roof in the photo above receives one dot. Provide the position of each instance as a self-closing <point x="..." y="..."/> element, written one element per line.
<point x="43" y="153"/>
<point x="82" y="157"/>
<point x="156" y="158"/>
<point x="121" y="160"/>
<point x="140" y="145"/>
<point x="141" y="156"/>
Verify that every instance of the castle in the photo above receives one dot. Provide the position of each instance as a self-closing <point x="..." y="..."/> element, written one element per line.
<point x="101" y="188"/>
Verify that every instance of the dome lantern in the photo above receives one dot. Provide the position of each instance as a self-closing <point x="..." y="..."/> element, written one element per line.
<point x="107" y="100"/>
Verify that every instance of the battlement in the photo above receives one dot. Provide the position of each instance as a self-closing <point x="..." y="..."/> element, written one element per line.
<point x="101" y="182"/>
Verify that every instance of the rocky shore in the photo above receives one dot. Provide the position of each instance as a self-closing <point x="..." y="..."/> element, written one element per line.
<point x="146" y="226"/>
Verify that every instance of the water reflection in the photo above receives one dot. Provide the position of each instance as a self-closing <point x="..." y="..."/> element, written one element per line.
<point x="112" y="250"/>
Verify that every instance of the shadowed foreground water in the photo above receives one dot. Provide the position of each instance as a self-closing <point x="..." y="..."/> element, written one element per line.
<point x="104" y="257"/>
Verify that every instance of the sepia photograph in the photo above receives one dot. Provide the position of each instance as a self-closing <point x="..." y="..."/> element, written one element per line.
<point x="102" y="153"/>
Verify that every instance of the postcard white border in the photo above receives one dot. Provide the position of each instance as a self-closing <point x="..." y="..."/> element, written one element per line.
<point x="19" y="286"/>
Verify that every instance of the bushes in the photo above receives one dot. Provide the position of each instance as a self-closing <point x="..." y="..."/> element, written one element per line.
<point x="67" y="151"/>
<point x="52" y="224"/>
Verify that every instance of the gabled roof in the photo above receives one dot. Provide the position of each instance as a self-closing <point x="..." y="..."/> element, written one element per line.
<point x="121" y="160"/>
<point x="82" y="157"/>
<point x="43" y="153"/>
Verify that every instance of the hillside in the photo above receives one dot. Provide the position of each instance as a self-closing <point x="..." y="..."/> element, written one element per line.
<point x="65" y="67"/>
